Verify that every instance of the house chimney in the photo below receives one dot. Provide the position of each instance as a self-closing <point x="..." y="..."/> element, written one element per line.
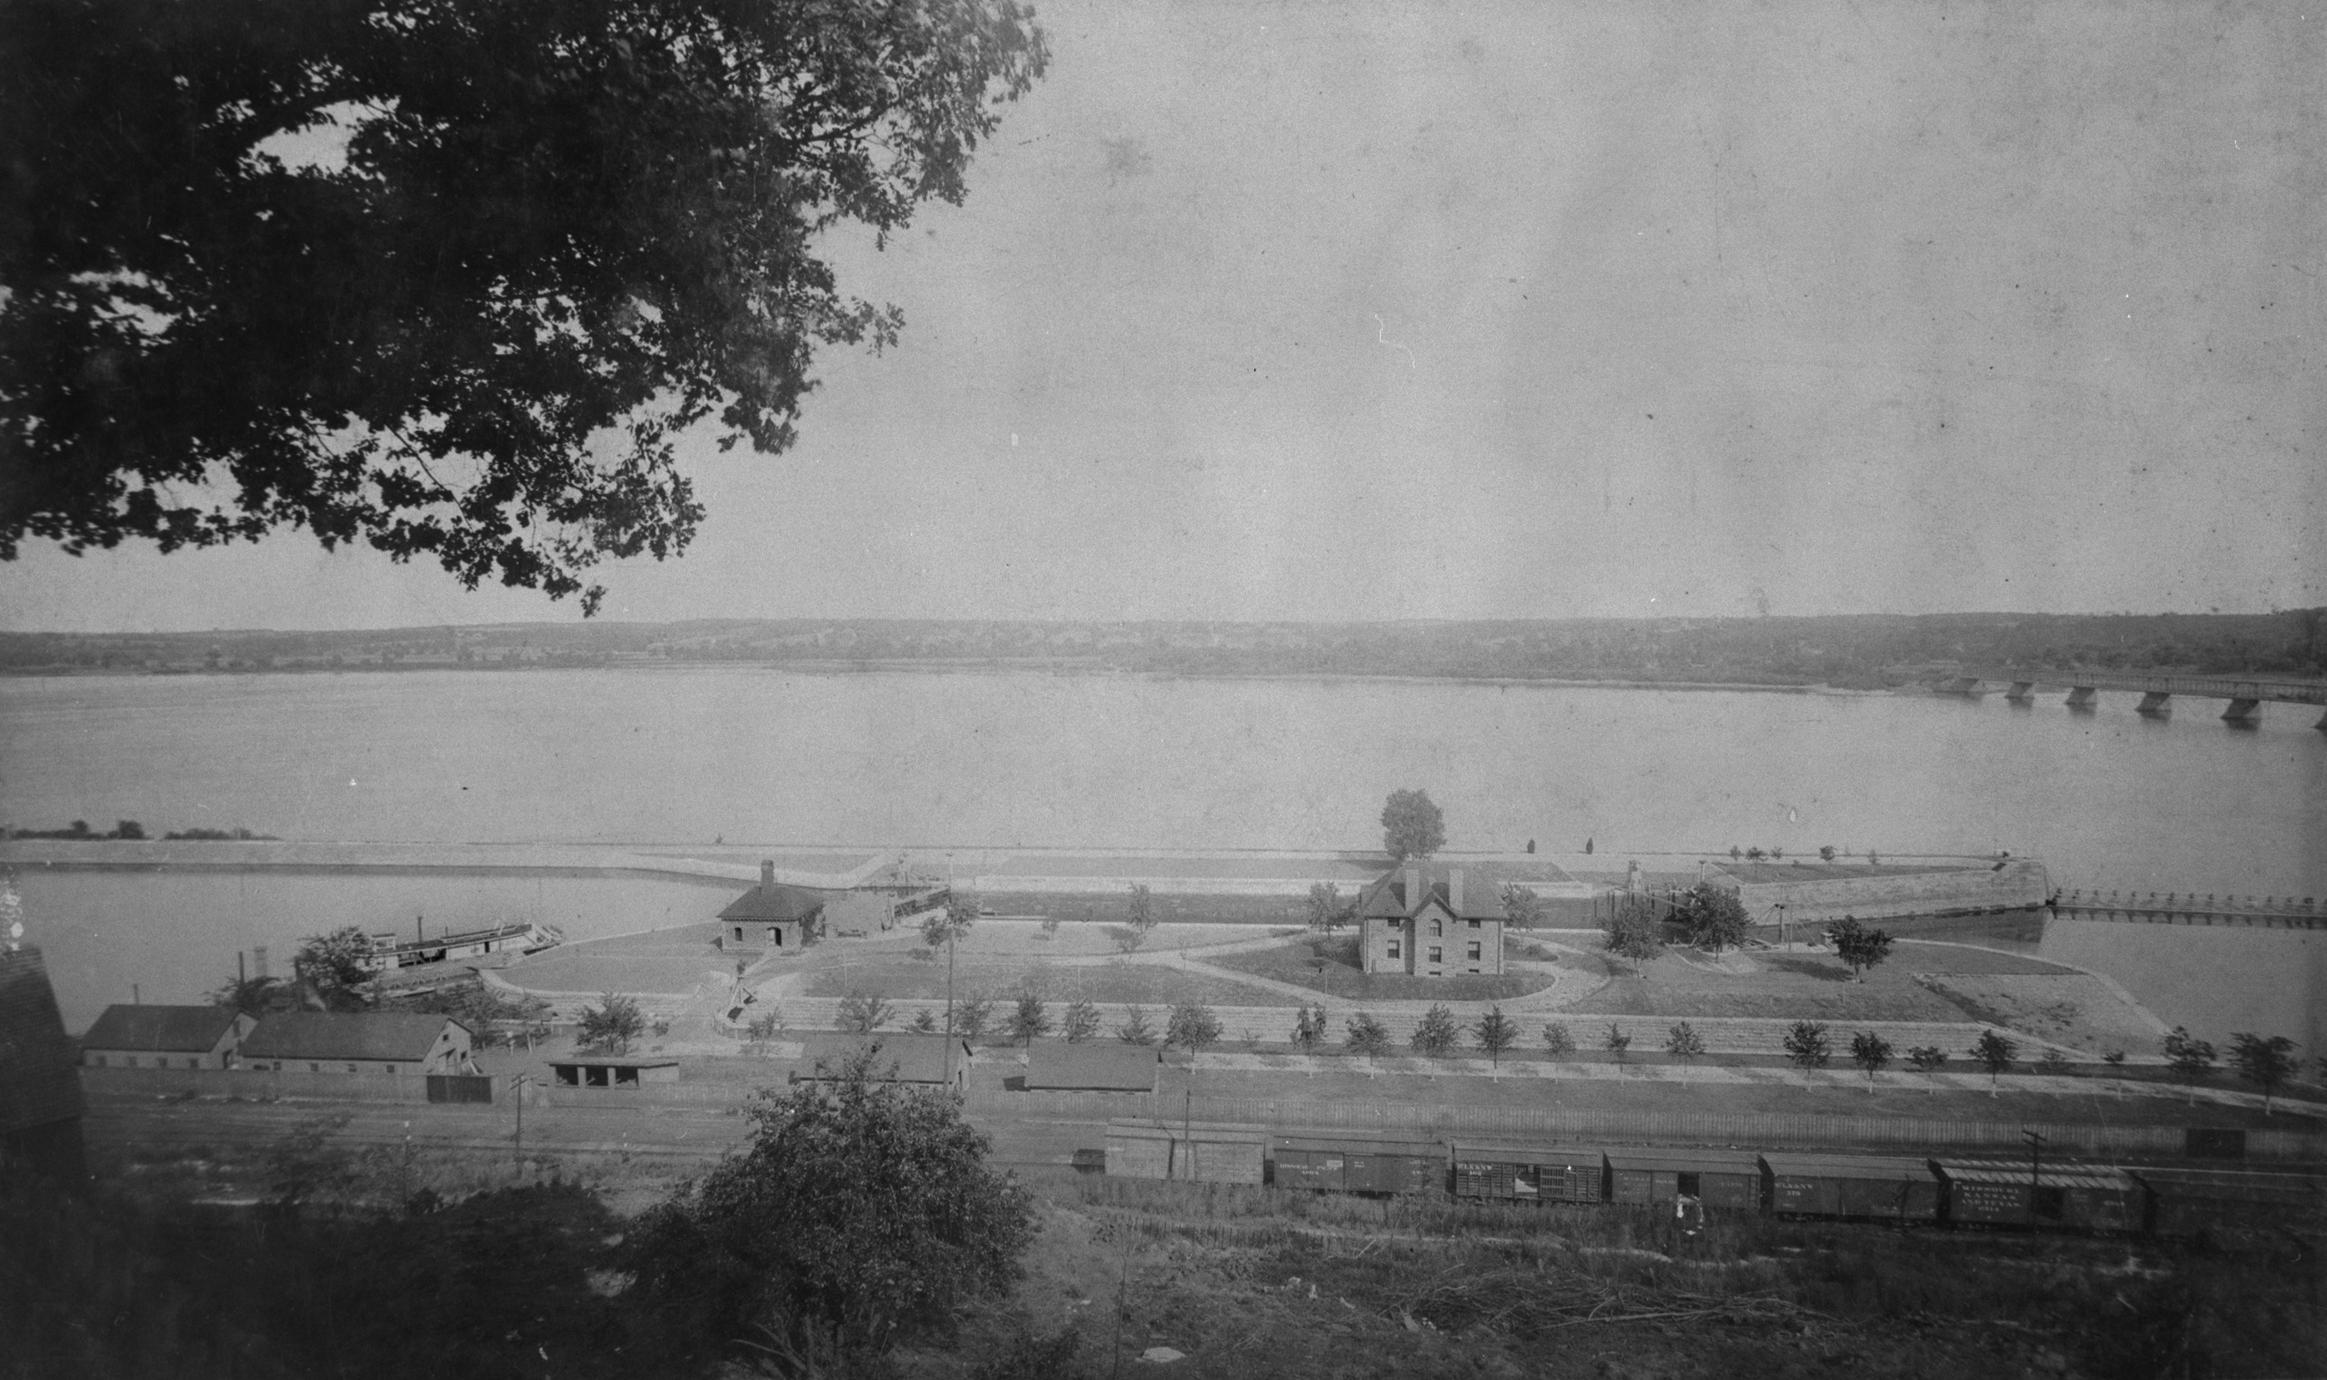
<point x="1454" y="891"/>
<point x="1414" y="896"/>
<point x="767" y="872"/>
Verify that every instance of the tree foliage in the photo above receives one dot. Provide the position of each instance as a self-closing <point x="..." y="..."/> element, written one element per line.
<point x="1807" y="1045"/>
<point x="971" y="1015"/>
<point x="2265" y="1061"/>
<point x="1618" y="1040"/>
<point x="862" y="1013"/>
<point x="1871" y="1052"/>
<point x="1309" y="1028"/>
<point x="1928" y="1059"/>
<point x="2190" y="1058"/>
<point x="1684" y="1042"/>
<point x="1713" y="917"/>
<point x="1522" y="907"/>
<point x="1859" y="947"/>
<point x="1326" y="909"/>
<point x="450" y="279"/>
<point x="612" y="1024"/>
<point x="1366" y="1036"/>
<point x="1412" y="827"/>
<point x="1080" y="1023"/>
<point x="1995" y="1053"/>
<point x="1436" y="1033"/>
<point x="1029" y="1019"/>
<point x="1135" y="1029"/>
<point x="334" y="965"/>
<point x="859" y="1212"/>
<point x="1494" y="1033"/>
<point x="1142" y="913"/>
<point x="1633" y="930"/>
<point x="951" y="922"/>
<point x="1192" y="1026"/>
<point x="1557" y="1040"/>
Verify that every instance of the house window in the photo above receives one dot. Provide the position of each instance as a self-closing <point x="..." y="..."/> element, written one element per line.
<point x="1393" y="948"/>
<point x="1474" y="924"/>
<point x="315" y="1068"/>
<point x="100" y="1061"/>
<point x="775" y="937"/>
<point x="1473" y="955"/>
<point x="1434" y="952"/>
<point x="352" y="1069"/>
<point x="1435" y="931"/>
<point x="193" y="1063"/>
<point x="739" y="934"/>
<point x="387" y="1068"/>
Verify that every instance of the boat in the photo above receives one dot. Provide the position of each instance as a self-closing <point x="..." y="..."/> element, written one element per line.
<point x="390" y="951"/>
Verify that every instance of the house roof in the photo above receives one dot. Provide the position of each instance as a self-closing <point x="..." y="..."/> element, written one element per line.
<point x="159" y="1029"/>
<point x="774" y="903"/>
<point x="1385" y="897"/>
<point x="383" y="1035"/>
<point x="917" y="1058"/>
<point x="39" y="1081"/>
<point x="1111" y="1066"/>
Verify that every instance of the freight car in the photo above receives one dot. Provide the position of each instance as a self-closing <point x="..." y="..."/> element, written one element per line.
<point x="2069" y="1197"/>
<point x="1875" y="1187"/>
<point x="2180" y="1202"/>
<point x="1529" y="1173"/>
<point x="1359" y="1164"/>
<point x="1729" y="1179"/>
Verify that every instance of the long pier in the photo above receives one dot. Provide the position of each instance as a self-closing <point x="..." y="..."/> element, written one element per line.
<point x="2269" y="912"/>
<point x="2246" y="694"/>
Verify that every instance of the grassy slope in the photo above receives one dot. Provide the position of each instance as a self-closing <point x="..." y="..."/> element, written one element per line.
<point x="1330" y="966"/>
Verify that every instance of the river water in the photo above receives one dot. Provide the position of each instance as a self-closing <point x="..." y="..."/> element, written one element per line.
<point x="752" y="755"/>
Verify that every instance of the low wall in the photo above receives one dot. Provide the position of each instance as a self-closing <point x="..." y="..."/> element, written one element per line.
<point x="2021" y="883"/>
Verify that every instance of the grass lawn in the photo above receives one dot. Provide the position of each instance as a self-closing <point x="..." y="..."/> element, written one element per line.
<point x="1798" y="985"/>
<point x="1150" y="983"/>
<point x="1114" y="907"/>
<point x="1298" y="961"/>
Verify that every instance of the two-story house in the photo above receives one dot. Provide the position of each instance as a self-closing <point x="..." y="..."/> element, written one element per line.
<point x="1420" y="918"/>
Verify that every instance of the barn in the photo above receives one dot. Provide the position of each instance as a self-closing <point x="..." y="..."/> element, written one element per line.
<point x="165" y="1037"/>
<point x="1111" y="1066"/>
<point x="398" y="1042"/>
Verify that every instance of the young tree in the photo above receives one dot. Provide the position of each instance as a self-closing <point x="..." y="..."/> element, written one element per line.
<point x="946" y="927"/>
<point x="1309" y="1028"/>
<point x="1143" y="917"/>
<point x="863" y="1013"/>
<point x="1324" y="907"/>
<point x="859" y="1212"/>
<point x="1618" y="1041"/>
<point x="1857" y="946"/>
<point x="1995" y="1054"/>
<point x="612" y="1024"/>
<point x="1928" y="1059"/>
<point x="1522" y="907"/>
<point x="1135" y="1029"/>
<point x="1826" y="853"/>
<point x="1684" y="1042"/>
<point x="762" y="1031"/>
<point x="972" y="1015"/>
<point x="532" y="1019"/>
<point x="1081" y="1023"/>
<point x="1495" y="1033"/>
<point x="552" y="241"/>
<point x="1557" y="1040"/>
<point x="2266" y="1062"/>
<point x="335" y="965"/>
<point x="1192" y="1027"/>
<point x="1435" y="1034"/>
<point x="2190" y="1058"/>
<point x="1807" y="1046"/>
<point x="1713" y="917"/>
<point x="1870" y="1052"/>
<point x="1050" y="927"/>
<point x="1030" y="1019"/>
<point x="1367" y="1036"/>
<point x="1633" y="930"/>
<point x="924" y="1022"/>
<point x="1412" y="827"/>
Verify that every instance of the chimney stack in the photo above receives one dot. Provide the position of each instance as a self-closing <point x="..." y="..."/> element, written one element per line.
<point x="1414" y="893"/>
<point x="767" y="872"/>
<point x="1454" y="891"/>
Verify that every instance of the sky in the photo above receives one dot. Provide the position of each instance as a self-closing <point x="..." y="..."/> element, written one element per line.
<point x="1442" y="310"/>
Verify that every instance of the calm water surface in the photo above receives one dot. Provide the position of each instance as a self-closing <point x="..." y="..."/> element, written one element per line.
<point x="744" y="754"/>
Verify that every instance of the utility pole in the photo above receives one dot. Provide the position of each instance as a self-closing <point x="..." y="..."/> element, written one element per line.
<point x="2035" y="1170"/>
<point x="517" y="1085"/>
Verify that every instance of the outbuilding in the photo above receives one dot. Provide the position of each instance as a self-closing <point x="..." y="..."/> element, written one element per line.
<point x="1883" y="1187"/>
<point x="1359" y="1164"/>
<point x="612" y="1072"/>
<point x="1197" y="1151"/>
<point x="2076" y="1197"/>
<point x="897" y="1058"/>
<point x="772" y="916"/>
<point x="165" y="1037"/>
<point x="1094" y="1066"/>
<point x="1716" y="1178"/>
<point x="1529" y="1173"/>
<point x="398" y="1042"/>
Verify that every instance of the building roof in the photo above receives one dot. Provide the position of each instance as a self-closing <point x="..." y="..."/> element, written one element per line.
<point x="773" y="903"/>
<point x="161" y="1029"/>
<point x="382" y="1035"/>
<point x="1386" y="898"/>
<point x="1687" y="1161"/>
<point x="2050" y="1176"/>
<point x="1106" y="1066"/>
<point x="611" y="1061"/>
<point x="1495" y="1152"/>
<point x="1847" y="1166"/>
<point x="915" y="1058"/>
<point x="39" y="1079"/>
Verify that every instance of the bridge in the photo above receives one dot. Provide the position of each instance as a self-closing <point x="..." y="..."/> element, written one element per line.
<point x="2246" y="694"/>
<point x="2270" y="912"/>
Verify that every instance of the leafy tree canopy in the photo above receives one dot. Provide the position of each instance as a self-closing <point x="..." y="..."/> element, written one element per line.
<point x="449" y="277"/>
<point x="334" y="964"/>
<point x="1859" y="947"/>
<point x="612" y="1024"/>
<point x="1713" y="916"/>
<point x="1412" y="827"/>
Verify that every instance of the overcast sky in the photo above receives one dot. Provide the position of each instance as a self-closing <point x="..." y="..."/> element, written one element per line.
<point x="1408" y="310"/>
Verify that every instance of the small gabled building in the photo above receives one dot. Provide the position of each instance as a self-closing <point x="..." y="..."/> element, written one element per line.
<point x="398" y="1042"/>
<point x="1424" y="920"/>
<point x="166" y="1037"/>
<point x="772" y="916"/>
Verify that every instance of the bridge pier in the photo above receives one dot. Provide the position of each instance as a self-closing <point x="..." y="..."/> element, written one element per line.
<point x="2022" y="692"/>
<point x="2081" y="697"/>
<point x="2243" y="714"/>
<point x="2157" y="704"/>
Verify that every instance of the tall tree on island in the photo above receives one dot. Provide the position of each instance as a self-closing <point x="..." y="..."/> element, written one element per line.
<point x="449" y="280"/>
<point x="1412" y="827"/>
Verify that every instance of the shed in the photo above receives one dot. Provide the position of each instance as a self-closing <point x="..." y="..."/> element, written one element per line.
<point x="1878" y="1186"/>
<point x="592" y="1072"/>
<point x="358" y="1042"/>
<point x="1359" y="1164"/>
<point x="772" y="915"/>
<point x="1109" y="1066"/>
<point x="1198" y="1151"/>
<point x="900" y="1058"/>
<point x="1529" y="1173"/>
<point x="1717" y="1178"/>
<point x="165" y="1037"/>
<point x="40" y="1094"/>
<point x="2193" y="1202"/>
<point x="2078" y="1197"/>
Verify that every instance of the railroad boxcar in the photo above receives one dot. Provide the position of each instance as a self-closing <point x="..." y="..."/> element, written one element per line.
<point x="1359" y="1164"/>
<point x="1881" y="1187"/>
<point x="1717" y="1178"/>
<point x="1528" y="1173"/>
<point x="2065" y="1197"/>
<point x="1205" y="1152"/>
<point x="2181" y="1202"/>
